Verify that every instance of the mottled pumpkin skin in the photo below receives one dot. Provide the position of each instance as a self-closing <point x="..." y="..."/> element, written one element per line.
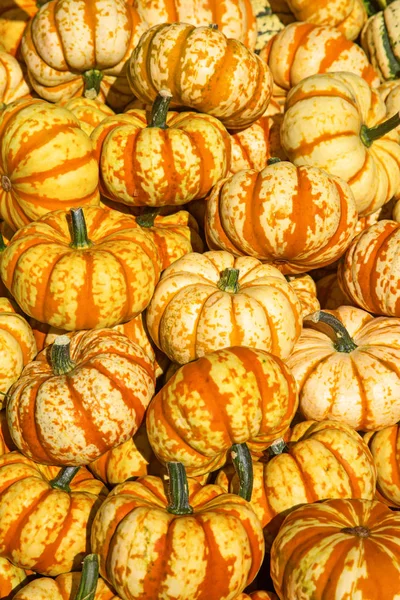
<point x="312" y="557"/>
<point x="348" y="16"/>
<point x="321" y="127"/>
<point x="73" y="419"/>
<point x="134" y="533"/>
<point x="361" y="387"/>
<point x="370" y="268"/>
<point x="10" y="577"/>
<point x="39" y="261"/>
<point x="190" y="315"/>
<point x="217" y="75"/>
<point x="380" y="40"/>
<point x="303" y="49"/>
<point x="200" y="412"/>
<point x="300" y="217"/>
<point x="385" y="448"/>
<point x="89" y="112"/>
<point x="43" y="529"/>
<point x="103" y="36"/>
<point x="64" y="587"/>
<point x="14" y="15"/>
<point x="46" y="162"/>
<point x="13" y="84"/>
<point x="306" y="291"/>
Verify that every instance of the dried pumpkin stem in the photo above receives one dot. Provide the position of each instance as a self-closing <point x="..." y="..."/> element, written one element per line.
<point x="146" y="219"/>
<point x="178" y="490"/>
<point x="278" y="446"/>
<point x="79" y="234"/>
<point x="89" y="578"/>
<point x="370" y="134"/>
<point x="229" y="281"/>
<point x="64" y="478"/>
<point x="92" y="80"/>
<point x="359" y="531"/>
<point x="343" y="341"/>
<point x="61" y="361"/>
<point x="159" y="110"/>
<point x="243" y="464"/>
<point x="213" y="25"/>
<point x="273" y="160"/>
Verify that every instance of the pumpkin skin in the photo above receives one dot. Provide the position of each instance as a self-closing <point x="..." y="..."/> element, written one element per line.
<point x="13" y="84"/>
<point x="64" y="587"/>
<point x="304" y="49"/>
<point x="47" y="540"/>
<point x="257" y="413"/>
<point x="330" y="294"/>
<point x="161" y="568"/>
<point x="306" y="291"/>
<point x="268" y="23"/>
<point x="192" y="314"/>
<point x="89" y="112"/>
<point x="261" y="214"/>
<point x="14" y="15"/>
<point x="259" y="595"/>
<point x="43" y="148"/>
<point x="119" y="247"/>
<point x="370" y="267"/>
<point x="347" y="17"/>
<point x="380" y="40"/>
<point x="61" y="60"/>
<point x="11" y="577"/>
<point x="384" y="445"/>
<point x="234" y="84"/>
<point x="357" y="386"/>
<point x="318" y="552"/>
<point x="323" y="127"/>
<point x="96" y="405"/>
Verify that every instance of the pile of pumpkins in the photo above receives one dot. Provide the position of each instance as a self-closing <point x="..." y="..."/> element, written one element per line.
<point x="200" y="299"/>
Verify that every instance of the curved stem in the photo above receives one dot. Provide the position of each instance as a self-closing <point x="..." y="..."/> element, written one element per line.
<point x="64" y="478"/>
<point x="178" y="490"/>
<point x="89" y="578"/>
<point x="146" y="219"/>
<point x="273" y="160"/>
<point x="79" y="236"/>
<point x="343" y="341"/>
<point x="61" y="361"/>
<point x="229" y="281"/>
<point x="243" y="464"/>
<point x="92" y="80"/>
<point x="159" y="110"/>
<point x="369" y="134"/>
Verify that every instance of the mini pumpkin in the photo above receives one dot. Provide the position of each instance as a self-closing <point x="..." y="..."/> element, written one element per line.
<point x="385" y="445"/>
<point x="14" y="15"/>
<point x="348" y="16"/>
<point x="380" y="40"/>
<point x="13" y="84"/>
<point x="90" y="113"/>
<point x="11" y="577"/>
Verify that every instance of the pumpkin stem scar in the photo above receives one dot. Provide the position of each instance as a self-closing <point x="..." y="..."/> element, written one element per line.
<point x="159" y="110"/>
<point x="79" y="235"/>
<point x="89" y="578"/>
<point x="146" y="219"/>
<point x="273" y="160"/>
<point x="64" y="478"/>
<point x="92" y="80"/>
<point x="369" y="134"/>
<point x="279" y="446"/>
<point x="229" y="281"/>
<point x="178" y="490"/>
<point x="343" y="342"/>
<point x="61" y="361"/>
<point x="213" y="25"/>
<point x="6" y="183"/>
<point x="359" y="531"/>
<point x="243" y="464"/>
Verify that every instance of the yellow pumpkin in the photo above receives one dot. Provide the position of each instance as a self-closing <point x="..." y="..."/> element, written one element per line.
<point x="13" y="84"/>
<point x="90" y="113"/>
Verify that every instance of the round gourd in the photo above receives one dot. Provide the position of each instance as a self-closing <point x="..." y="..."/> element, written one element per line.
<point x="81" y="396"/>
<point x="11" y="577"/>
<point x="306" y="291"/>
<point x="347" y="372"/>
<point x="13" y="84"/>
<point x="89" y="112"/>
<point x="338" y="123"/>
<point x="338" y="547"/>
<point x="385" y="447"/>
<point x="299" y="217"/>
<point x="348" y="16"/>
<point x="114" y="263"/>
<point x="268" y="23"/>
<point x="208" y="301"/>
<point x="380" y="40"/>
<point x="233" y="84"/>
<point x="46" y="162"/>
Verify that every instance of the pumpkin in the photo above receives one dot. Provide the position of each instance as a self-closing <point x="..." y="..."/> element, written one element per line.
<point x="384" y="446"/>
<point x="151" y="548"/>
<point x="6" y="443"/>
<point x="330" y="460"/>
<point x="348" y="372"/>
<point x="347" y="16"/>
<point x="46" y="162"/>
<point x="203" y="70"/>
<point x="81" y="396"/>
<point x="159" y="164"/>
<point x="11" y="577"/>
<point x="14" y="15"/>
<point x="380" y="40"/>
<point x="208" y="301"/>
<point x="101" y="243"/>
<point x="306" y="291"/>
<point x="330" y="294"/>
<point x="268" y="23"/>
<point x="17" y="346"/>
<point x="300" y="217"/>
<point x="234" y="18"/>
<point x="86" y="60"/>
<point x="90" y="113"/>
<point x="13" y="84"/>
<point x="338" y="548"/>
<point x="369" y="269"/>
<point x="337" y="122"/>
<point x="303" y="49"/>
<point x="45" y="525"/>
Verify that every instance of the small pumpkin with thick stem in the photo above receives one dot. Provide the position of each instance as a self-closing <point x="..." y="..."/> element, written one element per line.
<point x="348" y="371"/>
<point x="137" y="530"/>
<point x="82" y="395"/>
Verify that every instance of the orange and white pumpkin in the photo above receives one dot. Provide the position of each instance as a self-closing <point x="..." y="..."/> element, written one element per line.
<point x="13" y="84"/>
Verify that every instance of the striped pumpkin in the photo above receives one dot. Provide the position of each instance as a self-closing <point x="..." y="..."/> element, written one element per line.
<point x="14" y="15"/>
<point x="90" y="113"/>
<point x="268" y="23"/>
<point x="338" y="547"/>
<point x="306" y="291"/>
<point x="13" y="84"/>
<point x="11" y="577"/>
<point x="347" y="16"/>
<point x="338" y="123"/>
<point x="385" y="448"/>
<point x="380" y="40"/>
<point x="81" y="396"/>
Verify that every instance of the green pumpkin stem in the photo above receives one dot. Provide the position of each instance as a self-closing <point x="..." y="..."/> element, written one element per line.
<point x="64" y="478"/>
<point x="273" y="160"/>
<point x="2" y="244"/>
<point x="370" y="134"/>
<point x="343" y="341"/>
<point x="92" y="80"/>
<point x="243" y="464"/>
<point x="278" y="446"/>
<point x="79" y="236"/>
<point x="229" y="281"/>
<point x="89" y="578"/>
<point x="213" y="25"/>
<point x="159" y="110"/>
<point x="178" y="490"/>
<point x="146" y="219"/>
<point x="61" y="361"/>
